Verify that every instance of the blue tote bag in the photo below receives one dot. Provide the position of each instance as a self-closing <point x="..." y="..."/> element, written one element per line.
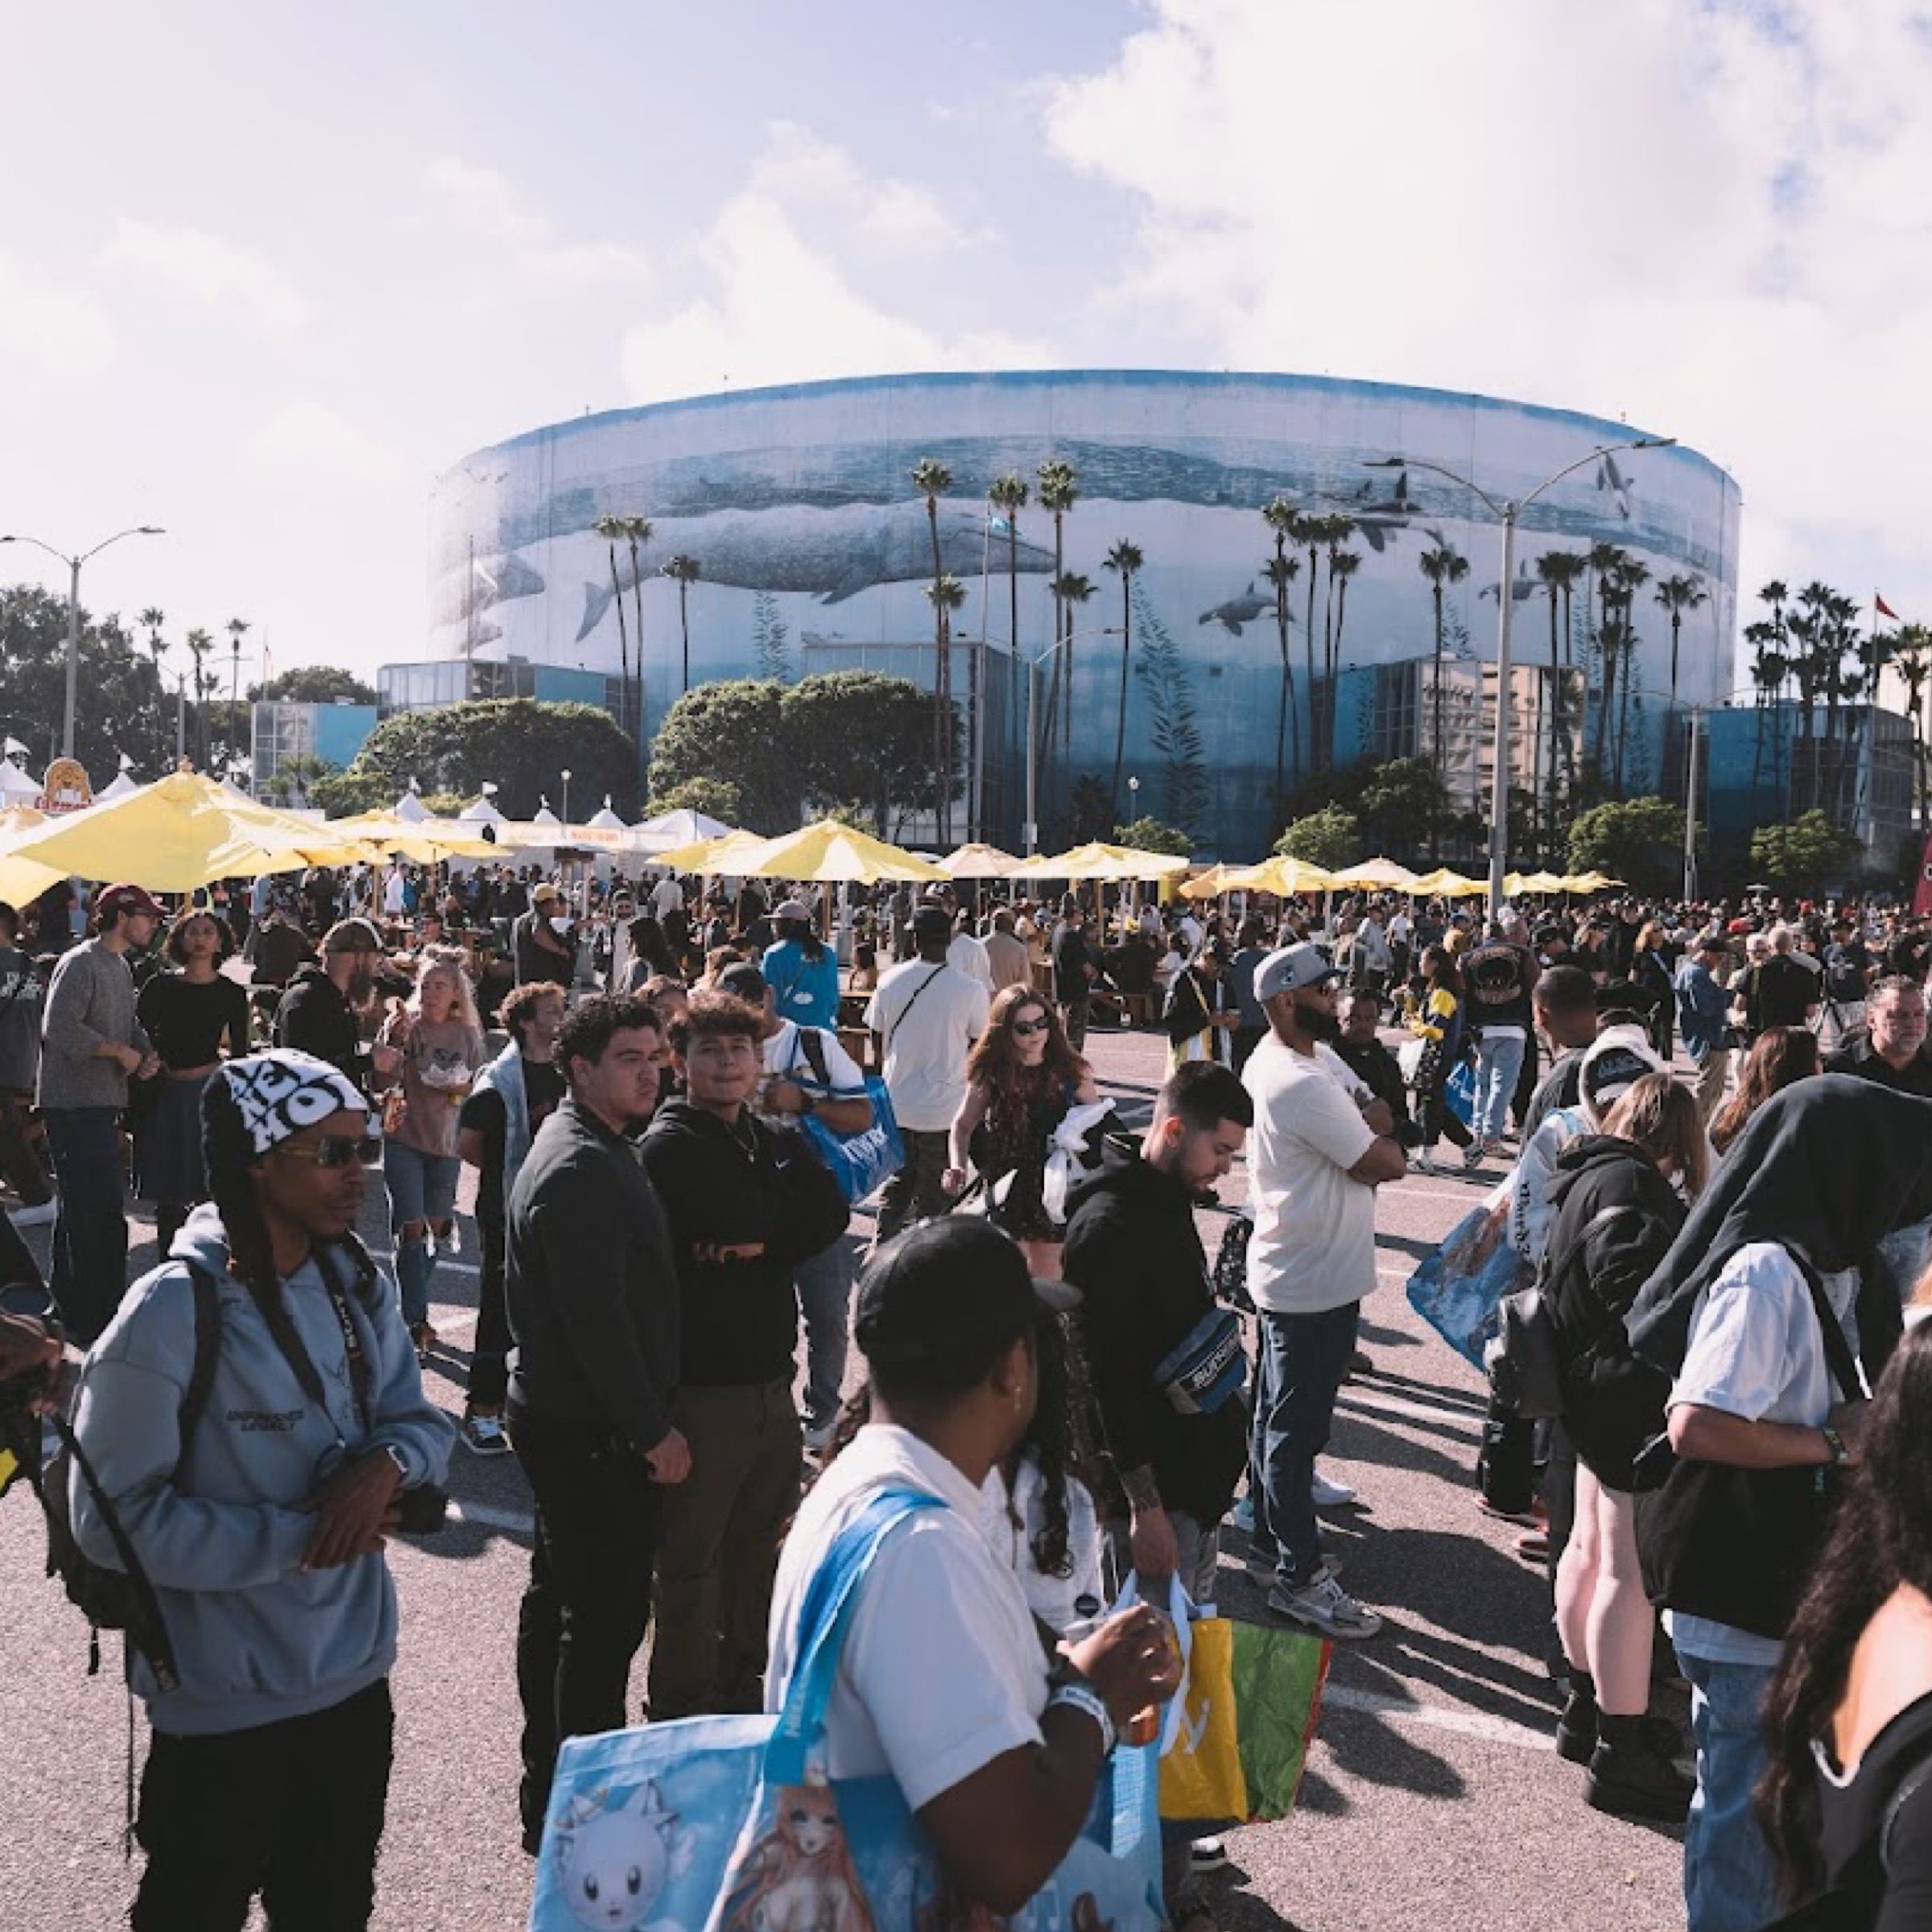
<point x="729" y="1824"/>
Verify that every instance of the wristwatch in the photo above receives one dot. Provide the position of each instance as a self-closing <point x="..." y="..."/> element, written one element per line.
<point x="1836" y="1443"/>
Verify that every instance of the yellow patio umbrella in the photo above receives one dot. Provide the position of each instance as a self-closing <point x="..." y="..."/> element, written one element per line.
<point x="427" y="841"/>
<point x="1589" y="882"/>
<point x="1518" y="883"/>
<point x="710" y="856"/>
<point x="1443" y="884"/>
<point x="829" y="851"/>
<point x="979" y="861"/>
<point x="1213" y="882"/>
<point x="22" y="879"/>
<point x="182" y="831"/>
<point x="1283" y="876"/>
<point x="1377" y="872"/>
<point x="1107" y="864"/>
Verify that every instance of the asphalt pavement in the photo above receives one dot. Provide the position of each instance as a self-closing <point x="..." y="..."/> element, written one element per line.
<point x="1432" y="1795"/>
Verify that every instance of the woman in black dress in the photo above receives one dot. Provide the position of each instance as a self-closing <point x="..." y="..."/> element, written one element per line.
<point x="190" y="1013"/>
<point x="1021" y="1079"/>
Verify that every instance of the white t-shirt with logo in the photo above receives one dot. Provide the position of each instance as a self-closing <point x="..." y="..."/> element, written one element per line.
<point x="927" y="1034"/>
<point x="1314" y="1244"/>
<point x="941" y="1671"/>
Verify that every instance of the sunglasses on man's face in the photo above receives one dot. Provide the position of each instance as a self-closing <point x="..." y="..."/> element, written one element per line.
<point x="1025" y="1027"/>
<point x="336" y="1151"/>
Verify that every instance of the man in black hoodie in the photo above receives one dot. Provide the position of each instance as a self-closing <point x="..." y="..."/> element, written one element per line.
<point x="747" y="1205"/>
<point x="1132" y="1251"/>
<point x="318" y="1012"/>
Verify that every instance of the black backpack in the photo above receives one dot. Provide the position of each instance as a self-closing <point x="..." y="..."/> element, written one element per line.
<point x="122" y="1598"/>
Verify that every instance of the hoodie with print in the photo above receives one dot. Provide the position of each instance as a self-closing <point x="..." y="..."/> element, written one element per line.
<point x="221" y="1524"/>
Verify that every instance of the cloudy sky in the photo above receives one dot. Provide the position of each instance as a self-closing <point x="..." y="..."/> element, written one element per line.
<point x="267" y="268"/>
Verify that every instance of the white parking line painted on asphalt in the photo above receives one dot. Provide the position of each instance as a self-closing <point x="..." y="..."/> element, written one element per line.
<point x="1440" y="1717"/>
<point x="486" y="1516"/>
<point x="1399" y="1405"/>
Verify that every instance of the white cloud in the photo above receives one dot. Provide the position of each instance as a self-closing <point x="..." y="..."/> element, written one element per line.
<point x="48" y="328"/>
<point x="1710" y="221"/>
<point x="480" y="202"/>
<point x="206" y="269"/>
<point x="309" y="438"/>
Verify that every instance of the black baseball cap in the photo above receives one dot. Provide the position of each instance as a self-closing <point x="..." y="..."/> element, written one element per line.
<point x="952" y="1291"/>
<point x="931" y="923"/>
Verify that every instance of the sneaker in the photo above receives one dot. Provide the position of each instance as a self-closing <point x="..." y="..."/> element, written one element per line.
<point x="1262" y="1569"/>
<point x="1327" y="1494"/>
<point x="1576" y="1731"/>
<point x="1323" y="1604"/>
<point x="1472" y="1156"/>
<point x="1207" y="1854"/>
<point x="41" y="1216"/>
<point x="484" y="1434"/>
<point x="1422" y="1162"/>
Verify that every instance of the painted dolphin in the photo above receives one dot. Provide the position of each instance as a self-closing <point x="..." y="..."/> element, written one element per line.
<point x="1610" y="477"/>
<point x="1238" y="611"/>
<point x="829" y="553"/>
<point x="1523" y="585"/>
<point x="489" y="580"/>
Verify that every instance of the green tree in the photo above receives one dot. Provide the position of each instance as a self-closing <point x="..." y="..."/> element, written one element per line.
<point x="1640" y="840"/>
<point x="517" y="743"/>
<point x="1125" y="559"/>
<point x="1912" y="657"/>
<point x="1677" y="594"/>
<point x="683" y="571"/>
<point x="732" y="730"/>
<point x="769" y="638"/>
<point x="313" y="684"/>
<point x="1284" y="523"/>
<point x="863" y="738"/>
<point x="1154" y="835"/>
<point x="1809" y="855"/>
<point x="1399" y="798"/>
<point x="715" y="797"/>
<point x="1331" y="838"/>
<point x="611" y="527"/>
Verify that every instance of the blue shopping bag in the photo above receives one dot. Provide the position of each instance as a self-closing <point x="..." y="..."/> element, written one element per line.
<point x="729" y="1824"/>
<point x="1458" y="1092"/>
<point x="1457" y="1288"/>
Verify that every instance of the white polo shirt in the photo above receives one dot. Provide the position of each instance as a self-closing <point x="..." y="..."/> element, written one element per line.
<point x="941" y="1672"/>
<point x="1314" y="1244"/>
<point x="928" y="1016"/>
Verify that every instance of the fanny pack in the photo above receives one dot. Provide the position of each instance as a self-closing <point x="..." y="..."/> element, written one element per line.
<point x="1205" y="1366"/>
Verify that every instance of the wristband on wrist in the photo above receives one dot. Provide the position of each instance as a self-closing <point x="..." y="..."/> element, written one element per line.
<point x="1836" y="1443"/>
<point x="1084" y="1698"/>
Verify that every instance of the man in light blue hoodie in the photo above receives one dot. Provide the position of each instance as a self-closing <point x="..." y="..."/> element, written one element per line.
<point x="263" y="1534"/>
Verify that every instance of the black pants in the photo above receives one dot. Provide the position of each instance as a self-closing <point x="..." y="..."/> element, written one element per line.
<point x="490" y="1353"/>
<point x="293" y="1810"/>
<point x="914" y="1194"/>
<point x="588" y="1605"/>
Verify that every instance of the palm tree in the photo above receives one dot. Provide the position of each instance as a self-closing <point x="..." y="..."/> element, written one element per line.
<point x="1069" y="588"/>
<point x="1631" y="576"/>
<point x="1125" y="559"/>
<point x="946" y="593"/>
<point x="1912" y="655"/>
<point x="238" y="628"/>
<point x="199" y="644"/>
<point x="1441" y="564"/>
<point x="1343" y="564"/>
<point x="637" y="530"/>
<point x="683" y="571"/>
<point x="1008" y="495"/>
<point x="1769" y="669"/>
<point x="1604" y="559"/>
<point x="1559" y="571"/>
<point x="1284" y="521"/>
<point x="1676" y="595"/>
<point x="932" y="479"/>
<point x="610" y="528"/>
<point x="151" y="620"/>
<point x="1058" y="492"/>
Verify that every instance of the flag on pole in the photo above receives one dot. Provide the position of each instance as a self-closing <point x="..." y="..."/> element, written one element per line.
<point x="1883" y="608"/>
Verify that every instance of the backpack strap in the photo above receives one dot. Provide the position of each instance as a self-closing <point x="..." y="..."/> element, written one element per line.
<point x="811" y="1044"/>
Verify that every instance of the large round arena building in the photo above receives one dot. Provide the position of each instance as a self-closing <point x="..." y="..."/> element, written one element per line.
<point x="813" y="553"/>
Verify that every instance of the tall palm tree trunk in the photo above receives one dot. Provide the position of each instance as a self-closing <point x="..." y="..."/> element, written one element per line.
<point x="616" y="597"/>
<point x="1316" y="762"/>
<point x="1013" y="629"/>
<point x="1120" y="723"/>
<point x="1441" y="762"/>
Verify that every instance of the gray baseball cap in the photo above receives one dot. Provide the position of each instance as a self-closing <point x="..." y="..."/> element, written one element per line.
<point x="1290" y="968"/>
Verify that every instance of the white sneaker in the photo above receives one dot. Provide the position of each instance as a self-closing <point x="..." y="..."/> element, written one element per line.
<point x="34" y="1217"/>
<point x="1328" y="1495"/>
<point x="1324" y="1605"/>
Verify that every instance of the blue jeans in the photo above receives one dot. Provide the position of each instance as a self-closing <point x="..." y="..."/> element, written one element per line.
<point x="422" y="1189"/>
<point x="1499" y="1066"/>
<point x="1301" y="1362"/>
<point x="90" y="1231"/>
<point x="1730" y="1884"/>
<point x="824" y="1282"/>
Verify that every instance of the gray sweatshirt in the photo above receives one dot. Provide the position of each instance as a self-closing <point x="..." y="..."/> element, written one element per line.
<point x="19" y="1020"/>
<point x="92" y="1000"/>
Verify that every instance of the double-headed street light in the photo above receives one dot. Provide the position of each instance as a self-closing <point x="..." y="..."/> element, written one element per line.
<point x="73" y="610"/>
<point x="1506" y="512"/>
<point x="1032" y="827"/>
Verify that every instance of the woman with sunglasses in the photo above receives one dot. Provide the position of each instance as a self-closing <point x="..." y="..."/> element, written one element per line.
<point x="1022" y="1078"/>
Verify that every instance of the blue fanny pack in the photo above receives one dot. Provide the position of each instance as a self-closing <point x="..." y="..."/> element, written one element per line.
<point x="1205" y="1366"/>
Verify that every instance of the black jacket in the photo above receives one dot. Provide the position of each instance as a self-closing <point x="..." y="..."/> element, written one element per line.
<point x="1860" y="1061"/>
<point x="1378" y="1069"/>
<point x="1616" y="1218"/>
<point x="723" y="1185"/>
<point x="1133" y="1251"/>
<point x="315" y="1018"/>
<point x="592" y="1288"/>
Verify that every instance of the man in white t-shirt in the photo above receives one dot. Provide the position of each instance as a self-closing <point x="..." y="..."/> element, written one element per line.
<point x="925" y="1014"/>
<point x="1314" y="1159"/>
<point x="793" y="1088"/>
<point x="667" y="897"/>
<point x="942" y="1683"/>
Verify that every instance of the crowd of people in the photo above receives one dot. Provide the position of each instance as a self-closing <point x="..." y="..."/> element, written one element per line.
<point x="652" y="1082"/>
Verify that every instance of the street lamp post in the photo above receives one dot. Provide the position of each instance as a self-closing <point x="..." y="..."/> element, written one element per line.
<point x="1031" y="830"/>
<point x="73" y="611"/>
<point x="1508" y="512"/>
<point x="565" y="776"/>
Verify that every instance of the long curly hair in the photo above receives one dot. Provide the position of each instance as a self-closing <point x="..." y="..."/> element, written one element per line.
<point x="994" y="1062"/>
<point x="1780" y="1057"/>
<point x="1881" y="1538"/>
